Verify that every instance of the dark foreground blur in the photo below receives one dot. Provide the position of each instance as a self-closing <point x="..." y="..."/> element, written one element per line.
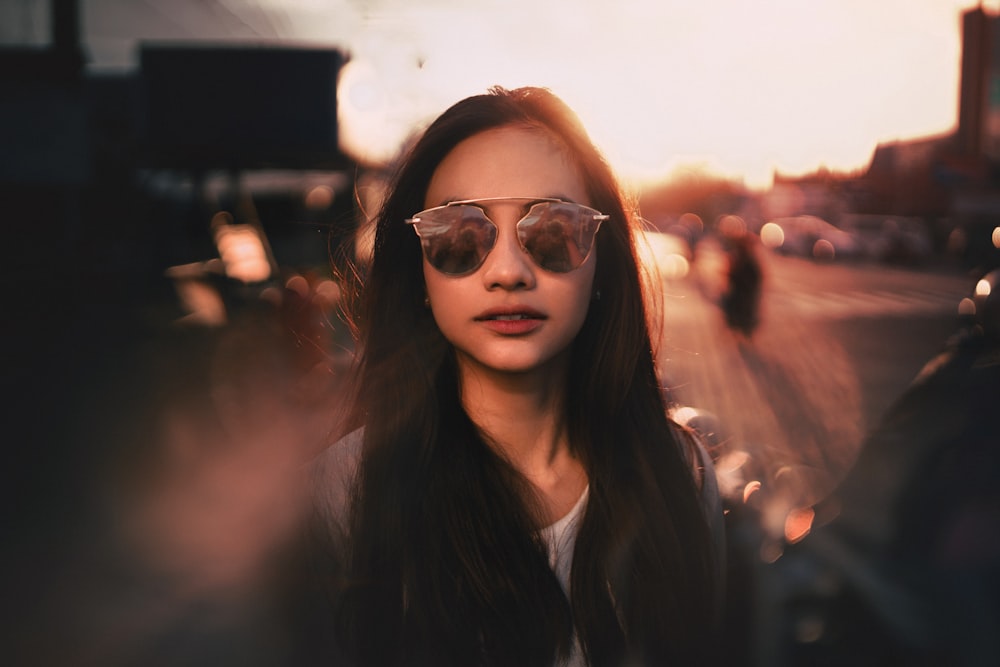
<point x="900" y="563"/>
<point x="907" y="571"/>
<point x="152" y="465"/>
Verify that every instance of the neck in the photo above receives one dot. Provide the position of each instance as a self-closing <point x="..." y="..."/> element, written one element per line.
<point x="524" y="417"/>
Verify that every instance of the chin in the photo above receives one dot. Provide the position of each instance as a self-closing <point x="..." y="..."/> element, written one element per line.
<point x="525" y="366"/>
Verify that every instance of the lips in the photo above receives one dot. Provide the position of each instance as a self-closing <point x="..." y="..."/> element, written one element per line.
<point x="512" y="321"/>
<point x="509" y="314"/>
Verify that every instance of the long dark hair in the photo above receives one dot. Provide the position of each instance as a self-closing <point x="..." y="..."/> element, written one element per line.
<point x="444" y="564"/>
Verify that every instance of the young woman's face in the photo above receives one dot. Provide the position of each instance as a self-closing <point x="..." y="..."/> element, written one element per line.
<point x="509" y="315"/>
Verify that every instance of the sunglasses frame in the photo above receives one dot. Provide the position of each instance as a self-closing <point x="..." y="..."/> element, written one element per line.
<point x="415" y="220"/>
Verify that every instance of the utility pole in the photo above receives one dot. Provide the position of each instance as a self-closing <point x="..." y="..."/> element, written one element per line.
<point x="67" y="51"/>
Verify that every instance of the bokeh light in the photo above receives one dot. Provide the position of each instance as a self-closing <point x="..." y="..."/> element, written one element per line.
<point x="319" y="197"/>
<point x="798" y="524"/>
<point x="242" y="253"/>
<point x="771" y="235"/>
<point x="824" y="250"/>
<point x="983" y="288"/>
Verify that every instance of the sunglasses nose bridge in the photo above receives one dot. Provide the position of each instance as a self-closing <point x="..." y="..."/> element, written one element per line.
<point x="508" y="262"/>
<point x="505" y="225"/>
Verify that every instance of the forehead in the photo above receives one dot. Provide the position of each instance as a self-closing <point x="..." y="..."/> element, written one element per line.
<point x="506" y="162"/>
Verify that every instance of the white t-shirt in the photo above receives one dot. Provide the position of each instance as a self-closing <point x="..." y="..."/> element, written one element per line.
<point x="560" y="538"/>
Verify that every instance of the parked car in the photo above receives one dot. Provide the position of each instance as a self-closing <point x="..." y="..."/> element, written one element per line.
<point x="809" y="236"/>
<point x="890" y="238"/>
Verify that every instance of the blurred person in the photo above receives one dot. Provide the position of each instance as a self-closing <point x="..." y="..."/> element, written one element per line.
<point x="510" y="490"/>
<point x="744" y="281"/>
<point x="904" y="564"/>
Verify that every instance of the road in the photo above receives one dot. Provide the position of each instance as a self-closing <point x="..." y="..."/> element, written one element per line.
<point x="836" y="345"/>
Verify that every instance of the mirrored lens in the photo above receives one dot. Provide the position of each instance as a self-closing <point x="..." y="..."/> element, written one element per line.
<point x="456" y="239"/>
<point x="557" y="235"/>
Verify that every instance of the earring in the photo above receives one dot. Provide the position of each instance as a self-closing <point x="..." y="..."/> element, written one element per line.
<point x="597" y="295"/>
<point x="427" y="302"/>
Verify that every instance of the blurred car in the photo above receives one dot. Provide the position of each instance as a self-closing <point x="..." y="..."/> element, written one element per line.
<point x="890" y="238"/>
<point x="809" y="236"/>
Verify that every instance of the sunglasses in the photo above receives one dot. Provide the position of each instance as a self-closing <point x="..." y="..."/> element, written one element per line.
<point x="557" y="235"/>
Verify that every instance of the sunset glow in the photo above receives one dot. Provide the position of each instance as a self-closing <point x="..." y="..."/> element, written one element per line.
<point x="740" y="89"/>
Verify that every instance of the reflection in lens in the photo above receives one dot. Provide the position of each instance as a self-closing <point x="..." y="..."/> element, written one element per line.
<point x="457" y="239"/>
<point x="547" y="241"/>
<point x="557" y="236"/>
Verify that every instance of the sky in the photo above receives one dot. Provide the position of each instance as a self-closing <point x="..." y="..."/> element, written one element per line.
<point x="733" y="87"/>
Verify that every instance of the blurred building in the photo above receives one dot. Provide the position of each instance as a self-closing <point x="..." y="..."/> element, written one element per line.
<point x="110" y="180"/>
<point x="978" y="132"/>
<point x="43" y="119"/>
<point x="951" y="180"/>
<point x="972" y="170"/>
<point x="119" y="174"/>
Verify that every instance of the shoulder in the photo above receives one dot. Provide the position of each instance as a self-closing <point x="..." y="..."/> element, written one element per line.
<point x="703" y="470"/>
<point x="696" y="455"/>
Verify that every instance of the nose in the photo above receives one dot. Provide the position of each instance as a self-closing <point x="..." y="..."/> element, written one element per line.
<point x="508" y="266"/>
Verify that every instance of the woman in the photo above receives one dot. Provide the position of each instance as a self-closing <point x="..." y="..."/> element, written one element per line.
<point x="512" y="491"/>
